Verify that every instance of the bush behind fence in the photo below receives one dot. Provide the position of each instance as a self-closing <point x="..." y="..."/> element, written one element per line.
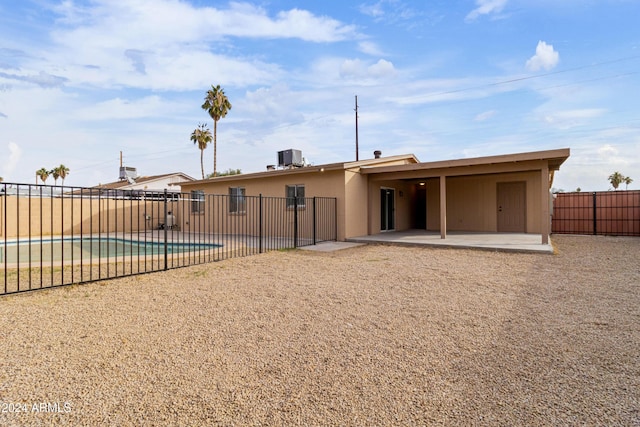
<point x="54" y="235"/>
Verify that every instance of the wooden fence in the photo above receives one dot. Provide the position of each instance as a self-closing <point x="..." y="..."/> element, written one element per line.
<point x="601" y="212"/>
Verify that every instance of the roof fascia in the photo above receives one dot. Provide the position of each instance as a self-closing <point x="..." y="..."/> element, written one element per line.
<point x="558" y="156"/>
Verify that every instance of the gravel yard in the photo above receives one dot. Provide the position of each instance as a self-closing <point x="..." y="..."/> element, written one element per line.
<point x="372" y="335"/>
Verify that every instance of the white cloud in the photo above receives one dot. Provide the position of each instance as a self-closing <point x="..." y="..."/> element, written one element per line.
<point x="356" y="68"/>
<point x="172" y="45"/>
<point x="369" y="48"/>
<point x="375" y="10"/>
<point x="442" y="90"/>
<point x="159" y="22"/>
<point x="545" y="58"/>
<point x="570" y="118"/>
<point x="11" y="160"/>
<point x="486" y="7"/>
<point x="118" y="109"/>
<point x="486" y="115"/>
<point x="352" y="68"/>
<point x="42" y="79"/>
<point x="381" y="69"/>
<point x="607" y="150"/>
<point x="304" y="25"/>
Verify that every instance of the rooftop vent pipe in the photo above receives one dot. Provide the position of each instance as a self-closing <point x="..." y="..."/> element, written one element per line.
<point x="377" y="154"/>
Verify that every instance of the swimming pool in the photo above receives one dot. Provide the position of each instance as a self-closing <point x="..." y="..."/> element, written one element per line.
<point x="78" y="249"/>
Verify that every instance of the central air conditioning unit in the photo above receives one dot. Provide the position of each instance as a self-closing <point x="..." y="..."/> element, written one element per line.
<point x="128" y="173"/>
<point x="289" y="158"/>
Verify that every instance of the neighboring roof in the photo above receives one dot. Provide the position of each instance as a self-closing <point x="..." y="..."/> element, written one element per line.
<point x="122" y="184"/>
<point x="407" y="159"/>
<point x="555" y="158"/>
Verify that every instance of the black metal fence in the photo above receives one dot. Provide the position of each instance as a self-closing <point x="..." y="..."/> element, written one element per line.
<point x="53" y="235"/>
<point x="601" y="212"/>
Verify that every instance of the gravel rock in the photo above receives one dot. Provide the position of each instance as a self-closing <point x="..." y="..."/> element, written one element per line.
<point x="372" y="335"/>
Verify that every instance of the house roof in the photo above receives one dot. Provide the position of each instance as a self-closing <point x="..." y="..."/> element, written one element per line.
<point x="406" y="158"/>
<point x="411" y="167"/>
<point x="123" y="184"/>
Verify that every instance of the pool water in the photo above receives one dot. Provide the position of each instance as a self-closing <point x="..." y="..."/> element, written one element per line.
<point x="38" y="251"/>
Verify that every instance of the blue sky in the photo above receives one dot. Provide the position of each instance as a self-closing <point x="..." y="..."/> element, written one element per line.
<point x="81" y="81"/>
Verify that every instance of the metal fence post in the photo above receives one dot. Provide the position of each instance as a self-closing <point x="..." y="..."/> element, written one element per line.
<point x="314" y="220"/>
<point x="165" y="230"/>
<point x="4" y="233"/>
<point x="260" y="224"/>
<point x="295" y="221"/>
<point x="595" y="226"/>
<point x="335" y="219"/>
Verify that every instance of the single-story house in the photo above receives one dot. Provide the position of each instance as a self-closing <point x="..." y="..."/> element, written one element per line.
<point x="506" y="193"/>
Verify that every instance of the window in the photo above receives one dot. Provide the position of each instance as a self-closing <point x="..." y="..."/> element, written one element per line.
<point x="197" y="201"/>
<point x="237" y="200"/>
<point x="294" y="192"/>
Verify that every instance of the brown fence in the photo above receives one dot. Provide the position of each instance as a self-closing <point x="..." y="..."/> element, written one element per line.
<point x="602" y="212"/>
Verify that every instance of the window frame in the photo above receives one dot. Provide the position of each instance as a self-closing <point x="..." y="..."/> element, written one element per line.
<point x="197" y="201"/>
<point x="237" y="202"/>
<point x="301" y="201"/>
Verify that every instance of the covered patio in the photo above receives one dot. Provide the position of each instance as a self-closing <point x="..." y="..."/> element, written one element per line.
<point x="495" y="202"/>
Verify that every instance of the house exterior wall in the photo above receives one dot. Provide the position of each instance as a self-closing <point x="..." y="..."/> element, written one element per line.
<point x="317" y="184"/>
<point x="472" y="201"/>
<point x="355" y="204"/>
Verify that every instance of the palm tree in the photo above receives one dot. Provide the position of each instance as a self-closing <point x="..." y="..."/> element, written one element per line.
<point x="627" y="180"/>
<point x="217" y="105"/>
<point x="63" y="171"/>
<point x="43" y="174"/>
<point x="616" y="179"/>
<point x="56" y="174"/>
<point x="201" y="136"/>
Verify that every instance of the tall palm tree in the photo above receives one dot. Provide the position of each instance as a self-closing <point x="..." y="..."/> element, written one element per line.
<point x="43" y="174"/>
<point x="56" y="174"/>
<point x="627" y="181"/>
<point x="217" y="105"/>
<point x="201" y="136"/>
<point x="616" y="179"/>
<point x="63" y="171"/>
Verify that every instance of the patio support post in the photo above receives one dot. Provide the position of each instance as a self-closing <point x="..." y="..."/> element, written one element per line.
<point x="443" y="207"/>
<point x="546" y="212"/>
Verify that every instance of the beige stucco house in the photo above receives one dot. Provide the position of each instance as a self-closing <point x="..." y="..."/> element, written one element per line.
<point x="506" y="193"/>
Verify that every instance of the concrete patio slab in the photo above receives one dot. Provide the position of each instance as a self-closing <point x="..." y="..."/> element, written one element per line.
<point x="510" y="242"/>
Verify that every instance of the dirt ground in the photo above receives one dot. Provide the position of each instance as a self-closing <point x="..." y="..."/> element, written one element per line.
<point x="372" y="335"/>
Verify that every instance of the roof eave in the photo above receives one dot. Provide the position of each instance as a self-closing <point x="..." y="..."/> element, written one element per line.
<point x="555" y="158"/>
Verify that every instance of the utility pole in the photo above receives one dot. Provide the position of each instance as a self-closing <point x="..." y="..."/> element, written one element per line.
<point x="356" y="110"/>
